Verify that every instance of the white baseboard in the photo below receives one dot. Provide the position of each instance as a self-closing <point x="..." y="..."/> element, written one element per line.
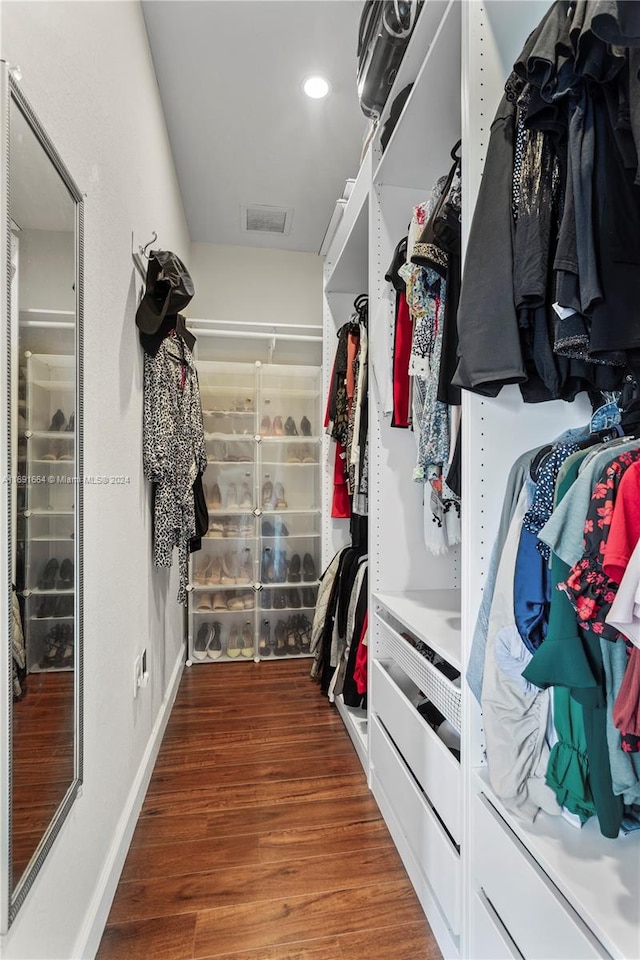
<point x="92" y="929"/>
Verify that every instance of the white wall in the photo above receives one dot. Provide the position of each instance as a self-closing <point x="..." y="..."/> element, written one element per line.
<point x="247" y="283"/>
<point x="87" y="71"/>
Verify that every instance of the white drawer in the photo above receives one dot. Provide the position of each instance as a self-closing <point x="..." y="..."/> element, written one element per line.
<point x="431" y="847"/>
<point x="432" y="764"/>
<point x="488" y="937"/>
<point x="444" y="694"/>
<point x="542" y="923"/>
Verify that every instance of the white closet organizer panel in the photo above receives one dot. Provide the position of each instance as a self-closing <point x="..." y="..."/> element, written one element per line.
<point x="349" y="268"/>
<point x="442" y="692"/>
<point x="405" y="807"/>
<point x="519" y="889"/>
<point x="355" y="721"/>
<point x="430" y="761"/>
<point x="599" y="877"/>
<point x="433" y="616"/>
<point x="490" y="937"/>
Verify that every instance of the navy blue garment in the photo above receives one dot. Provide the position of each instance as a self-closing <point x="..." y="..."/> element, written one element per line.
<point x="531" y="590"/>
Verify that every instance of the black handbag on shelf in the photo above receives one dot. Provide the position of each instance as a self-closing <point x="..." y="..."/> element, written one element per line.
<point x="385" y="29"/>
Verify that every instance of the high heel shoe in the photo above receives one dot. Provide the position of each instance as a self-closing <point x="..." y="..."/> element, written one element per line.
<point x="245" y="568"/>
<point x="65" y="575"/>
<point x="305" y="426"/>
<point x="267" y="495"/>
<point x="70" y="427"/>
<point x="264" y="643"/>
<point x="292" y="637"/>
<point x="214" y="498"/>
<point x="246" y="500"/>
<point x="293" y="598"/>
<point x="280" y="649"/>
<point x="203" y="572"/>
<point x="290" y="427"/>
<point x="278" y="430"/>
<point x="47" y="579"/>
<point x="214" y="644"/>
<point x="58" y="421"/>
<point x="265" y="427"/>
<point x="248" y="643"/>
<point x="201" y="641"/>
<point x="233" y="643"/>
<point x="309" y="568"/>
<point x="278" y="496"/>
<point x="232" y="497"/>
<point x="268" y="566"/>
<point x="215" y="570"/>
<point x="230" y="570"/>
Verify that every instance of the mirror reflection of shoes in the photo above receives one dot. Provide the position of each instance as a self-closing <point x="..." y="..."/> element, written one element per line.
<point x="47" y="579"/>
<point x="65" y="575"/>
<point x="305" y="427"/>
<point x="57" y="421"/>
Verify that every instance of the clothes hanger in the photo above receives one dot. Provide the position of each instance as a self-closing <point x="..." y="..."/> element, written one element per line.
<point x="454" y="151"/>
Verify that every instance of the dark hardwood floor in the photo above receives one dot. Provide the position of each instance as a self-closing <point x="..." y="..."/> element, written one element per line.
<point x="258" y="838"/>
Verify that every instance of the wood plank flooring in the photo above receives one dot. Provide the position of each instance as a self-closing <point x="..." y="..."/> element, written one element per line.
<point x="258" y="838"/>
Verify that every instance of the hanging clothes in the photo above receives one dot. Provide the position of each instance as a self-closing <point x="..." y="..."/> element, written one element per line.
<point x="174" y="450"/>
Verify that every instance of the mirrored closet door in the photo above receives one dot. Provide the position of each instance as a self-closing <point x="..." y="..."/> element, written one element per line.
<point x="42" y="493"/>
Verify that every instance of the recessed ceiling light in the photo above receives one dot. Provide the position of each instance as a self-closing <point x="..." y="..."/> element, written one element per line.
<point x="316" y="87"/>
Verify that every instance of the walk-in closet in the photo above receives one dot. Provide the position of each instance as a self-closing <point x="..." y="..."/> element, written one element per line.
<point x="320" y="475"/>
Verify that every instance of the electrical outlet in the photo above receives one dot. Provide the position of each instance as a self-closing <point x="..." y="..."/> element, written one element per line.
<point x="136" y="676"/>
<point x="144" y="671"/>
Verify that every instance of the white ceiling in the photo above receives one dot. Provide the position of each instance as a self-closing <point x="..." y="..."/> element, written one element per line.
<point x="241" y="129"/>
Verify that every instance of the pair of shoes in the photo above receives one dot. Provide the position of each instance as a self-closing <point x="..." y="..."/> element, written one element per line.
<point x="274" y="565"/>
<point x="207" y="643"/>
<point x="273" y="496"/>
<point x="209" y="571"/>
<point x="300" y="453"/>
<point x="237" y="569"/>
<point x="222" y="600"/>
<point x="292" y="431"/>
<point x="275" y="529"/>
<point x="241" y="642"/>
<point x="48" y="575"/>
<point x="271" y="429"/>
<point x="59" y="450"/>
<point x="59" y="648"/>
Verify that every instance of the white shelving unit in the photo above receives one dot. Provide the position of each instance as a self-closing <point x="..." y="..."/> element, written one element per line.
<point x="491" y="886"/>
<point x="249" y="587"/>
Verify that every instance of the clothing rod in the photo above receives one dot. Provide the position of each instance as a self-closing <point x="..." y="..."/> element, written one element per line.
<point x="258" y="335"/>
<point x="258" y="323"/>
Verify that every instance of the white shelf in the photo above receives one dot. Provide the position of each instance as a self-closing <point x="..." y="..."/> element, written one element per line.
<point x="433" y="616"/>
<point x="298" y="438"/>
<point x="599" y="877"/>
<point x="350" y="269"/>
<point x="421" y="39"/>
<point x="355" y="720"/>
<point x="54" y="384"/>
<point x="418" y="151"/>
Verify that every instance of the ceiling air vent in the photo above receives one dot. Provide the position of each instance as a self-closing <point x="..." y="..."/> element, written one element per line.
<point x="258" y="218"/>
